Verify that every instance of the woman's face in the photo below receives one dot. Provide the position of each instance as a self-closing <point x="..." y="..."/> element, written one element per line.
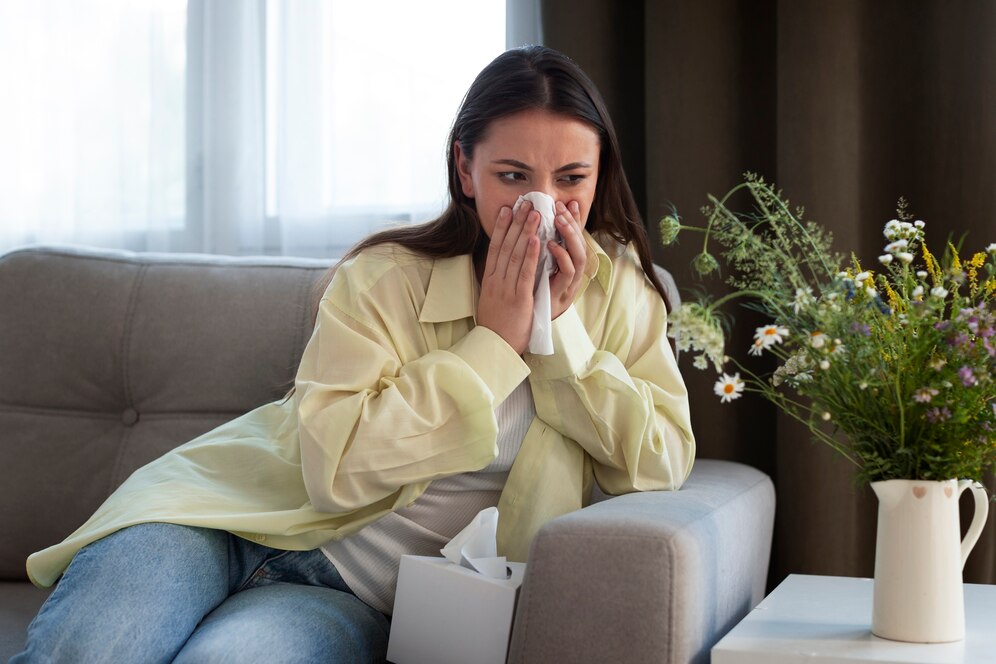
<point x="531" y="150"/>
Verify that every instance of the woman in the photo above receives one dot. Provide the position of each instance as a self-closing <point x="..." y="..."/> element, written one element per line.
<point x="415" y="406"/>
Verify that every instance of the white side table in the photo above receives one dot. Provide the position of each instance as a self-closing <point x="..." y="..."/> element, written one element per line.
<point x="827" y="620"/>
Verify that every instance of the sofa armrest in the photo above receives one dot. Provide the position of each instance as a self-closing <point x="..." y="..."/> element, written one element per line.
<point x="648" y="577"/>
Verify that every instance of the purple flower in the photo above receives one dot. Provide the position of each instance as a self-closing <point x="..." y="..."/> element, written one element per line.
<point x="861" y="328"/>
<point x="942" y="325"/>
<point x="965" y="313"/>
<point x="990" y="348"/>
<point x="968" y="378"/>
<point x="936" y="415"/>
<point x="924" y="395"/>
<point x="961" y="340"/>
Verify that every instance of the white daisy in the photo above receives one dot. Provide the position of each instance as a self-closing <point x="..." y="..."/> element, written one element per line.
<point x="769" y="335"/>
<point x="803" y="297"/>
<point x="817" y="339"/>
<point x="729" y="387"/>
<point x="939" y="292"/>
<point x="756" y="347"/>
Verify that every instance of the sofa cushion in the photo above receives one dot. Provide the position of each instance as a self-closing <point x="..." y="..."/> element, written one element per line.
<point x="21" y="602"/>
<point x="109" y="359"/>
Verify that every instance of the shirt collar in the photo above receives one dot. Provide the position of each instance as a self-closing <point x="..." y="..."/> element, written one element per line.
<point x="600" y="268"/>
<point x="452" y="292"/>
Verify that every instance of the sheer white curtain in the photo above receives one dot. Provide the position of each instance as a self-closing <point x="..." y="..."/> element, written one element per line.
<point x="91" y="115"/>
<point x="259" y="126"/>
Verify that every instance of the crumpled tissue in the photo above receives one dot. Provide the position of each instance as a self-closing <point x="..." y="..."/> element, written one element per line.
<point x="541" y="337"/>
<point x="476" y="546"/>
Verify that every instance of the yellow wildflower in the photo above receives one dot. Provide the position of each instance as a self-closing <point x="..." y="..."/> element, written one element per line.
<point x="894" y="300"/>
<point x="978" y="260"/>
<point x="955" y="261"/>
<point x="932" y="267"/>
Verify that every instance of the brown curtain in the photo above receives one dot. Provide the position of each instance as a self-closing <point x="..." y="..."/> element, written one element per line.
<point x="846" y="105"/>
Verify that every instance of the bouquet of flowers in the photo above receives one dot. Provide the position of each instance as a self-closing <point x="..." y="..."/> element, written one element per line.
<point x="901" y="358"/>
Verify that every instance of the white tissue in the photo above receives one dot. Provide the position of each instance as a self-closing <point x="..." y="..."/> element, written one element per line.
<point x="541" y="338"/>
<point x="476" y="546"/>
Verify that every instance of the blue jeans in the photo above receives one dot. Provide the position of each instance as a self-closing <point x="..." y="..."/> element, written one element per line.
<point x="164" y="593"/>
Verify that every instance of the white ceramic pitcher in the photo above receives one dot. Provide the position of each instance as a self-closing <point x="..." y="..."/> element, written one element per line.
<point x="919" y="595"/>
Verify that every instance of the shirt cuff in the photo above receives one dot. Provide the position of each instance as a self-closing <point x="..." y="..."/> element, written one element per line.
<point x="572" y="349"/>
<point x="497" y="363"/>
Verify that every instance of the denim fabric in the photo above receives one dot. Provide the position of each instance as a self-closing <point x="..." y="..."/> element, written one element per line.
<point x="161" y="592"/>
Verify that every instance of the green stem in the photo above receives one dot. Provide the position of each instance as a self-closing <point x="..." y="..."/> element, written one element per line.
<point x="740" y="293"/>
<point x="902" y="414"/>
<point x="790" y="408"/>
<point x="784" y="259"/>
<point x="720" y="205"/>
<point x="816" y="251"/>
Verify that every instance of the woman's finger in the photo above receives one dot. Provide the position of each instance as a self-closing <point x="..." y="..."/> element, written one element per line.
<point x="518" y="259"/>
<point x="565" y="268"/>
<point x="511" y="239"/>
<point x="498" y="234"/>
<point x="571" y="258"/>
<point x="527" y="273"/>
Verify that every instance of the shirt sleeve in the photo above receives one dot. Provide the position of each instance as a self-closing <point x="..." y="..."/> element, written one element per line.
<point x="624" y="402"/>
<point x="379" y="408"/>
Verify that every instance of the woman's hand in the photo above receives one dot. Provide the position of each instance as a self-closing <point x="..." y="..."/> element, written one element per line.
<point x="506" y="302"/>
<point x="570" y="258"/>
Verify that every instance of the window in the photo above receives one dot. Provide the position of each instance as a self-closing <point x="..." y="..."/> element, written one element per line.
<point x="275" y="126"/>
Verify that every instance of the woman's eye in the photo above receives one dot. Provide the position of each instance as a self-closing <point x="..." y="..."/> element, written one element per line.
<point x="573" y="178"/>
<point x="511" y="176"/>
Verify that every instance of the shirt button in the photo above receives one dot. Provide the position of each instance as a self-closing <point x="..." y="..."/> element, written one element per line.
<point x="129" y="417"/>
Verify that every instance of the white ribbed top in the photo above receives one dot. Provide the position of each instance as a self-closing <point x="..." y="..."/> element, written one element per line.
<point x="369" y="559"/>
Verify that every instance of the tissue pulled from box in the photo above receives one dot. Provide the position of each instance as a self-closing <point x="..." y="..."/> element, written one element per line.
<point x="541" y="338"/>
<point x="476" y="546"/>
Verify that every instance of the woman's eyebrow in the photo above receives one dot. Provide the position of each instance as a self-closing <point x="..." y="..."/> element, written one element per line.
<point x="573" y="166"/>
<point x="513" y="162"/>
<point x="518" y="164"/>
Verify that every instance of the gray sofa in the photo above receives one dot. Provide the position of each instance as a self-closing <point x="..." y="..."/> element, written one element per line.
<point x="109" y="359"/>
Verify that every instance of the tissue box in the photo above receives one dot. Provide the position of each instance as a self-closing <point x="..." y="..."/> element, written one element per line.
<point x="445" y="613"/>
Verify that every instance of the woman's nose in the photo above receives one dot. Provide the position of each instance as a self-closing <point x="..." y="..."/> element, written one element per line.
<point x="547" y="188"/>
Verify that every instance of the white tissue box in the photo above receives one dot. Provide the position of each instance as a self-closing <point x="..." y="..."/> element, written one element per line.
<point x="445" y="613"/>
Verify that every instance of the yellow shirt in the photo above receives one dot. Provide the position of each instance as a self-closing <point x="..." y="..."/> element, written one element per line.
<point x="398" y="387"/>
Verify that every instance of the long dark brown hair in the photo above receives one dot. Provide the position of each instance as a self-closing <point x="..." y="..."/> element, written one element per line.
<point x="528" y="78"/>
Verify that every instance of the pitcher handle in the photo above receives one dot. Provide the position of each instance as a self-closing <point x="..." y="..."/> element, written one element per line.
<point x="978" y="519"/>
